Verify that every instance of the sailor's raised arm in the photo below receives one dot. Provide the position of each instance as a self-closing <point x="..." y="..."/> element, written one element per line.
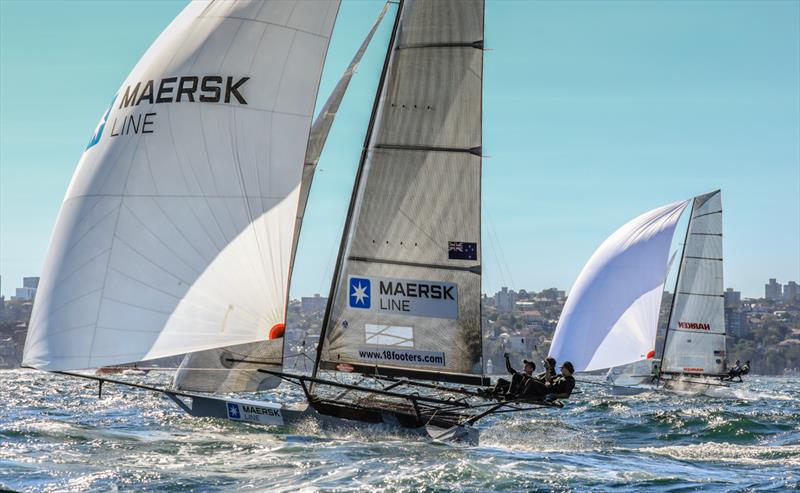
<point x="509" y="369"/>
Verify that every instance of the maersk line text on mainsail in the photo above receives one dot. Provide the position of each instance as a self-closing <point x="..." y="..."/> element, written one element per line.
<point x="189" y="88"/>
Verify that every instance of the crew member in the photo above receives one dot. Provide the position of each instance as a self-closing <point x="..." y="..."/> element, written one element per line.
<point x="504" y="388"/>
<point x="655" y="372"/>
<point x="559" y="388"/>
<point x="549" y="372"/>
<point x="744" y="370"/>
<point x="734" y="372"/>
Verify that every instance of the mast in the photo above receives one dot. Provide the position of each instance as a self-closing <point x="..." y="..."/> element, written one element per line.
<point x="356" y="185"/>
<point x="675" y="291"/>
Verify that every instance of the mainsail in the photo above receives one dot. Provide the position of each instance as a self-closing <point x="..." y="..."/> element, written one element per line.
<point x="235" y="368"/>
<point x="611" y="315"/>
<point x="405" y="298"/>
<point x="176" y="232"/>
<point x="695" y="339"/>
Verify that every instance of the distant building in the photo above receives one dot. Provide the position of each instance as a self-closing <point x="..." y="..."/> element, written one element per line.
<point x="314" y="303"/>
<point x="505" y="300"/>
<point x="735" y="322"/>
<point x="553" y="294"/>
<point x="791" y="291"/>
<point x="25" y="294"/>
<point x="733" y="299"/>
<point x="30" y="282"/>
<point x="773" y="290"/>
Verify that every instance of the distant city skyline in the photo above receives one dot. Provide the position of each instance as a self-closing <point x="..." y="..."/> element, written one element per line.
<point x="592" y="115"/>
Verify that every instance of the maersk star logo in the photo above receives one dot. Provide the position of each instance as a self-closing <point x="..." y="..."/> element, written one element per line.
<point x="98" y="131"/>
<point x="359" y="292"/>
<point x="233" y="411"/>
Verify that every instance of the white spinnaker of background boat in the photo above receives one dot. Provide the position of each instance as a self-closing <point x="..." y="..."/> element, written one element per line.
<point x="696" y="334"/>
<point x="175" y="234"/>
<point x="235" y="368"/>
<point x="611" y="315"/>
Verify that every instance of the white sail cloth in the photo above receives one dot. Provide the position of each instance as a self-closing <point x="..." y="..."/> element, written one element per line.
<point x="176" y="232"/>
<point x="611" y="315"/>
<point x="696" y="333"/>
<point x="235" y="369"/>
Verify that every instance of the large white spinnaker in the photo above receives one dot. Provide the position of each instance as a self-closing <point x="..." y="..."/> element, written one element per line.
<point x="235" y="368"/>
<point x="176" y="231"/>
<point x="695" y="339"/>
<point x="611" y="315"/>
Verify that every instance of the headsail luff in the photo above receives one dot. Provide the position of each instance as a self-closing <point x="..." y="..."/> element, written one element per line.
<point x="176" y="232"/>
<point x="234" y="369"/>
<point x="695" y="339"/>
<point x="406" y="294"/>
<point x="611" y="315"/>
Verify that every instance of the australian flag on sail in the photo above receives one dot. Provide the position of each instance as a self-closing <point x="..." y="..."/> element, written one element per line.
<point x="462" y="250"/>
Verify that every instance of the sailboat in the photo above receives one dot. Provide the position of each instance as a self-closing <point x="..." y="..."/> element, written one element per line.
<point x="179" y="229"/>
<point x="611" y="316"/>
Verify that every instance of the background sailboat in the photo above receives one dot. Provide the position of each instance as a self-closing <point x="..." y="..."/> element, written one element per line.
<point x="609" y="317"/>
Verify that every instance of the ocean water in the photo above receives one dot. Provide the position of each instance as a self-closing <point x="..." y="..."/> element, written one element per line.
<point x="55" y="435"/>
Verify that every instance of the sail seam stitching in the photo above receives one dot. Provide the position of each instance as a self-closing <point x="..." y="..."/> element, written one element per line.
<point x="264" y="22"/>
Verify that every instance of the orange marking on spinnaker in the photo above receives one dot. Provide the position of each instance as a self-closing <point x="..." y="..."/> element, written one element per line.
<point x="277" y="330"/>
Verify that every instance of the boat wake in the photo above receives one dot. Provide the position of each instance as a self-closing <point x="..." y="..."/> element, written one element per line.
<point x="758" y="455"/>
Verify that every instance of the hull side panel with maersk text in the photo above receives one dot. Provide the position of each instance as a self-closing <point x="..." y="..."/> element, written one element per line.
<point x="176" y="231"/>
<point x="415" y="218"/>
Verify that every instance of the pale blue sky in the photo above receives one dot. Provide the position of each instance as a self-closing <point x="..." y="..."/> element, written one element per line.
<point x="593" y="113"/>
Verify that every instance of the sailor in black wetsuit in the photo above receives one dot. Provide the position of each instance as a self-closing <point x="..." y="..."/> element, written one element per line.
<point x="744" y="370"/>
<point x="504" y="388"/>
<point x="559" y="388"/>
<point x="549" y="372"/>
<point x="737" y="371"/>
<point x="733" y="372"/>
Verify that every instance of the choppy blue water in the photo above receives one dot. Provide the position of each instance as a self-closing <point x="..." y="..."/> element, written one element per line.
<point x="56" y="436"/>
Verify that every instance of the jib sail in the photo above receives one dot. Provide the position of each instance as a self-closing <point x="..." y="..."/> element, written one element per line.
<point x="695" y="340"/>
<point x="176" y="232"/>
<point x="611" y="315"/>
<point x="235" y="368"/>
<point x="405" y="297"/>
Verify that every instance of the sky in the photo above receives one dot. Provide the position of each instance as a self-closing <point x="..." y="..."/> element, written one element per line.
<point x="594" y="112"/>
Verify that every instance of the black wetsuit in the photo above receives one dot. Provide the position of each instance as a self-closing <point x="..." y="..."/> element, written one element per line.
<point x="541" y="376"/>
<point x="515" y="386"/>
<point x="560" y="385"/>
